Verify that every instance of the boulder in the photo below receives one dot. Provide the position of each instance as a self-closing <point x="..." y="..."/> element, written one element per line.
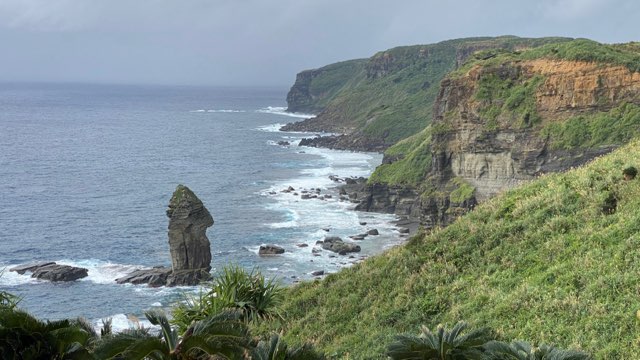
<point x="403" y="230"/>
<point x="52" y="271"/>
<point x="317" y="273"/>
<point x="302" y="245"/>
<point x="55" y="272"/>
<point x="188" y="222"/>
<point x="266" y="250"/>
<point x="283" y="143"/>
<point x="373" y="232"/>
<point x="336" y="244"/>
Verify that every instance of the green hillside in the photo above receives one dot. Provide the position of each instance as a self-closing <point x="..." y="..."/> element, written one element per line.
<point x="554" y="261"/>
<point x="389" y="96"/>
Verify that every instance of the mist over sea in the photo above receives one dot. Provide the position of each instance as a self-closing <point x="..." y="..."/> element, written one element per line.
<point x="86" y="173"/>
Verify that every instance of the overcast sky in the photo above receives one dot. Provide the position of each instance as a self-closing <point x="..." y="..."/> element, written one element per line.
<point x="264" y="42"/>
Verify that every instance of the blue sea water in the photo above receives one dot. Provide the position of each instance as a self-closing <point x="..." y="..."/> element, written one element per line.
<point x="86" y="173"/>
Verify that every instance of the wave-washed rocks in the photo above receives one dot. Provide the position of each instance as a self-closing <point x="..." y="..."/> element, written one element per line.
<point x="269" y="250"/>
<point x="52" y="271"/>
<point x="337" y="245"/>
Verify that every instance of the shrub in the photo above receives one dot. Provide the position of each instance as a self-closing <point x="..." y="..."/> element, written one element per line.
<point x="233" y="289"/>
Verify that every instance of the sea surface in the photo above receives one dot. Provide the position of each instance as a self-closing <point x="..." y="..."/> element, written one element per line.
<point x="86" y="173"/>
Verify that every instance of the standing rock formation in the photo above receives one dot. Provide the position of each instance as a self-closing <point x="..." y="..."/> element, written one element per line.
<point x="188" y="243"/>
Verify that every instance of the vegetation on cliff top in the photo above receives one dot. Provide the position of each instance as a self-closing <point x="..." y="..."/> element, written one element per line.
<point x="412" y="161"/>
<point x="392" y="95"/>
<point x="627" y="55"/>
<point x="552" y="261"/>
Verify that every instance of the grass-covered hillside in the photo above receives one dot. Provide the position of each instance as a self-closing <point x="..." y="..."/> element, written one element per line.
<point x="554" y="261"/>
<point x="389" y="96"/>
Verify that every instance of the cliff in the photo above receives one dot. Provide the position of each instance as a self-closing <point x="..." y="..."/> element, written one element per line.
<point x="314" y="88"/>
<point x="505" y="118"/>
<point x="386" y="98"/>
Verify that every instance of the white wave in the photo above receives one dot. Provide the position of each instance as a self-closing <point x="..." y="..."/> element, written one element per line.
<point x="100" y="271"/>
<point x="279" y="110"/>
<point x="225" y="111"/>
<point x="12" y="278"/>
<point x="120" y="322"/>
<point x="271" y="127"/>
<point x="217" y="111"/>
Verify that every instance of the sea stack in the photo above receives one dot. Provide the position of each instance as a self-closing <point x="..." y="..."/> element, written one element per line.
<point x="188" y="243"/>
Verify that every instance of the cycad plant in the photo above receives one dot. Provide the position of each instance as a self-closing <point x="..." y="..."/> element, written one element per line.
<point x="521" y="350"/>
<point x="222" y="335"/>
<point x="276" y="349"/>
<point x="440" y="344"/>
<point x="249" y="293"/>
<point x="22" y="336"/>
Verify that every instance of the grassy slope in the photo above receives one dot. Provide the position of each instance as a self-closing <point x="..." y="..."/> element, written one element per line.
<point x="333" y="79"/>
<point x="399" y="104"/>
<point x="414" y="164"/>
<point x="541" y="263"/>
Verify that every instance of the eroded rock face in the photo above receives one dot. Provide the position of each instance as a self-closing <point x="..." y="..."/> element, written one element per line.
<point x="500" y="156"/>
<point x="188" y="222"/>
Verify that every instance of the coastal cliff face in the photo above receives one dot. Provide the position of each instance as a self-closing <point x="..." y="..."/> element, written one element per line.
<point x="499" y="123"/>
<point x="494" y="150"/>
<point x="387" y="97"/>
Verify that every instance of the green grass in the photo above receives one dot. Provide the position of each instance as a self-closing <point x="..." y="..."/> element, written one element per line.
<point x="627" y="55"/>
<point x="463" y="191"/>
<point x="542" y="262"/>
<point x="613" y="127"/>
<point x="414" y="161"/>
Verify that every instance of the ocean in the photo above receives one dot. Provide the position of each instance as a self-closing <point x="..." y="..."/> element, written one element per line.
<point x="87" y="171"/>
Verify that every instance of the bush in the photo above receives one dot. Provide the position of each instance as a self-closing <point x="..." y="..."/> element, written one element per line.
<point x="233" y="289"/>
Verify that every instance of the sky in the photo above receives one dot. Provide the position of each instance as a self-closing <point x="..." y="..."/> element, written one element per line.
<point x="264" y="42"/>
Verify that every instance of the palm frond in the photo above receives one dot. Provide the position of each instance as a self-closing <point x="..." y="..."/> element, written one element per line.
<point x="159" y="318"/>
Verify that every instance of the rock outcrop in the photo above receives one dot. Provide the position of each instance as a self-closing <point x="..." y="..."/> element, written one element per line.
<point x="336" y="244"/>
<point x="52" y="271"/>
<point x="188" y="222"/>
<point x="153" y="277"/>
<point x="188" y="245"/>
<point x="267" y="250"/>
